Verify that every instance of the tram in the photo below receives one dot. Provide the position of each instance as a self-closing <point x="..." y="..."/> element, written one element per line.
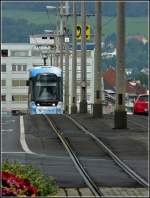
<point x="45" y="93"/>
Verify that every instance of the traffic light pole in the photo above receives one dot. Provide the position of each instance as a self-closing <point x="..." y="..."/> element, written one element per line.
<point x="83" y="102"/>
<point x="120" y="113"/>
<point x="97" y="106"/>
<point x="74" y="61"/>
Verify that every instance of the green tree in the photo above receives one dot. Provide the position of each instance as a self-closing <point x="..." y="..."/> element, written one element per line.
<point x="136" y="55"/>
<point x="143" y="78"/>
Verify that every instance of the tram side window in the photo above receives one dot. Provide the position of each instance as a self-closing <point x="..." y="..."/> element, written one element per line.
<point x="60" y="89"/>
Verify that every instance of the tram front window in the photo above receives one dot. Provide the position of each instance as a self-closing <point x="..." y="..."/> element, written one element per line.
<point x="46" y="90"/>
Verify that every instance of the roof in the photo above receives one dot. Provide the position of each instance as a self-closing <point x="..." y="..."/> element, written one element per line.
<point x="138" y="37"/>
<point x="109" y="77"/>
<point x="45" y="69"/>
<point x="132" y="87"/>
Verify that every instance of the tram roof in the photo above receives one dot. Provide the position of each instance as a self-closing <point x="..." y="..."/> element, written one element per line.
<point x="45" y="69"/>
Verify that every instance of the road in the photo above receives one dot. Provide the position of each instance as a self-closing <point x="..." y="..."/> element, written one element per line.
<point x="43" y="150"/>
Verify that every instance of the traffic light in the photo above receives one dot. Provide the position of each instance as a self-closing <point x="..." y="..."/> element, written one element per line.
<point x="78" y="32"/>
<point x="88" y="32"/>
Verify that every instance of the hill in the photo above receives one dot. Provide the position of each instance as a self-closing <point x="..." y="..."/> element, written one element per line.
<point x="133" y="9"/>
<point x="25" y="18"/>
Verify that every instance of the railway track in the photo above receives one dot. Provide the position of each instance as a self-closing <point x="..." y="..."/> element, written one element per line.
<point x="94" y="188"/>
<point x="90" y="183"/>
<point x="118" y="161"/>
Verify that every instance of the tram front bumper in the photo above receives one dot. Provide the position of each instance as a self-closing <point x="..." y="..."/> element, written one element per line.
<point x="48" y="110"/>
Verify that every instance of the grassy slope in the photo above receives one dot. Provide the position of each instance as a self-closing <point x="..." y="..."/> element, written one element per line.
<point x="134" y="25"/>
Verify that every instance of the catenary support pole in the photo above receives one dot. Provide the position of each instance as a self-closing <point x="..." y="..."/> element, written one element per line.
<point x="97" y="106"/>
<point x="61" y="34"/>
<point x="66" y="60"/>
<point x="120" y="120"/>
<point x="74" y="63"/>
<point x="83" y="102"/>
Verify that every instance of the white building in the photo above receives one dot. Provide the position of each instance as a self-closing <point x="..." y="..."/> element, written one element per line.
<point x="15" y="62"/>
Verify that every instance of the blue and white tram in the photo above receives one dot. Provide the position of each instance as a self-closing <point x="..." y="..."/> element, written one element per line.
<point x="45" y="93"/>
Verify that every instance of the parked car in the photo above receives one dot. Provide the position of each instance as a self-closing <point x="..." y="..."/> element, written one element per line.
<point x="140" y="105"/>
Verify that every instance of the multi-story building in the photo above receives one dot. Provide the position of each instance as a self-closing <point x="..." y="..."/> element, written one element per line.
<point x="17" y="59"/>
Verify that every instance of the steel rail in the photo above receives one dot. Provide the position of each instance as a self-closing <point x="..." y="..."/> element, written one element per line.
<point x="126" y="168"/>
<point x="90" y="183"/>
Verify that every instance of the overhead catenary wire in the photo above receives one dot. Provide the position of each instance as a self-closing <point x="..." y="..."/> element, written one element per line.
<point x="38" y="46"/>
<point x="108" y="22"/>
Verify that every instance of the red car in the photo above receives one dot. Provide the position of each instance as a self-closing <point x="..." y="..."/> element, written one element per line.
<point x="140" y="105"/>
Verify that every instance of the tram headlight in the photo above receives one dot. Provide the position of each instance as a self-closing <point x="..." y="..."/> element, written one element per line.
<point x="53" y="104"/>
<point x="38" y="104"/>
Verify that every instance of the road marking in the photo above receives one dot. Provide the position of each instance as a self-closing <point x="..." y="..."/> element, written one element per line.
<point x="22" y="137"/>
<point x="9" y="130"/>
<point x="25" y="146"/>
<point x="5" y="122"/>
<point x="11" y="152"/>
<point x="135" y="123"/>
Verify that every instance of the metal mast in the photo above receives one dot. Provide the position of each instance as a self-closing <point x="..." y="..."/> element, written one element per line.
<point x="97" y="106"/>
<point x="66" y="61"/>
<point x="74" y="61"/>
<point x="61" y="34"/>
<point x="120" y="113"/>
<point x="83" y="102"/>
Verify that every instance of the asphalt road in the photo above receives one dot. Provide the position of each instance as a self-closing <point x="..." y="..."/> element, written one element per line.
<point x="10" y="130"/>
<point x="48" y="155"/>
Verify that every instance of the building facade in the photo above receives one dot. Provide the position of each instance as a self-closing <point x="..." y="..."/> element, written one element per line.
<point x="18" y="58"/>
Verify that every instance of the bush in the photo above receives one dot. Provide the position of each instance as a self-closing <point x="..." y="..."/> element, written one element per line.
<point x="45" y="185"/>
<point x="16" y="186"/>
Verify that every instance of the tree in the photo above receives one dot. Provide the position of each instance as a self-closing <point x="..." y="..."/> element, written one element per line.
<point x="136" y="54"/>
<point x="143" y="78"/>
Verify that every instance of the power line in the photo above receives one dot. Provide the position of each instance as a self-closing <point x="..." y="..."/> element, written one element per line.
<point x="107" y="22"/>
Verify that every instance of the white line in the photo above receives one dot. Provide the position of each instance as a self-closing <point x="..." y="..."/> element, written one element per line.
<point x="6" y="130"/>
<point x="22" y="137"/>
<point x="8" y="121"/>
<point x="25" y="146"/>
<point x="39" y="155"/>
<point x="11" y="152"/>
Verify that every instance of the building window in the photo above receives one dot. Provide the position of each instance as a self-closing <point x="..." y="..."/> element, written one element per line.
<point x="3" y="98"/>
<point x="19" y="53"/>
<point x="3" y="67"/>
<point x="4" y="53"/>
<point x="13" y="67"/>
<point x="24" y="67"/>
<point x="3" y="83"/>
<point x="20" y="98"/>
<point x="18" y="83"/>
<point x="19" y="67"/>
